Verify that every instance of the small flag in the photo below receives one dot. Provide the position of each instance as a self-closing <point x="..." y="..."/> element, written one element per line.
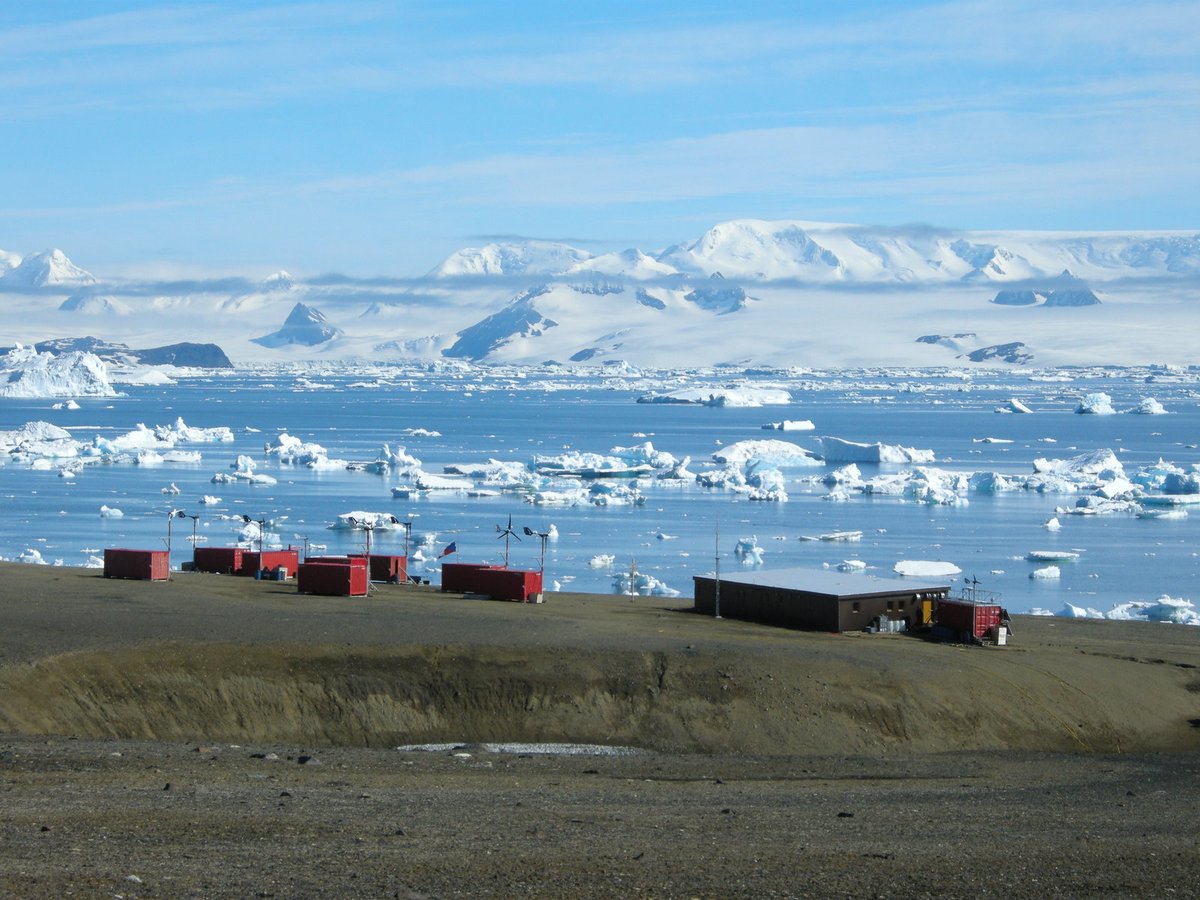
<point x="452" y="547"/>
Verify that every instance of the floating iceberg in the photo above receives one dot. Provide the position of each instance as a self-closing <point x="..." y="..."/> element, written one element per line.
<point x="1149" y="407"/>
<point x="1014" y="406"/>
<point x="837" y="450"/>
<point x="1053" y="555"/>
<point x="293" y="451"/>
<point x="388" y="461"/>
<point x="1167" y="514"/>
<point x="1164" y="609"/>
<point x="744" y="396"/>
<point x="26" y="373"/>
<point x="748" y="551"/>
<point x="1046" y="573"/>
<point x="186" y="434"/>
<point x="641" y="584"/>
<point x="1098" y="404"/>
<point x="359" y="520"/>
<point x="925" y="568"/>
<point x="780" y="454"/>
<point x="790" y="425"/>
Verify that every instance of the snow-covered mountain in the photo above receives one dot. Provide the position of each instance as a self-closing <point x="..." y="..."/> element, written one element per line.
<point x="50" y="268"/>
<point x="511" y="258"/>
<point x="95" y="305"/>
<point x="746" y="291"/>
<point x="305" y="325"/>
<point x="813" y="252"/>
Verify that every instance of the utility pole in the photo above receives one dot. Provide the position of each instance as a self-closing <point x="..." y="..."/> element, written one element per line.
<point x="717" y="578"/>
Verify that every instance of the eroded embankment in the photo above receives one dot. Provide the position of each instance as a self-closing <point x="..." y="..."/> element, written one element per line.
<point x="337" y="695"/>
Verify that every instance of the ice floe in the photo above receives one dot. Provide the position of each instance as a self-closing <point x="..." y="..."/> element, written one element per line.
<point x="743" y="396"/>
<point x="925" y="568"/>
<point x="790" y="425"/>
<point x="1053" y="555"/>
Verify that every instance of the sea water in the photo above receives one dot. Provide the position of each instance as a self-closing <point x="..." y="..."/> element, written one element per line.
<point x="681" y="530"/>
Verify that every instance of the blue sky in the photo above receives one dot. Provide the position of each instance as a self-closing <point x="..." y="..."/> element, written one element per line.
<point x="375" y="138"/>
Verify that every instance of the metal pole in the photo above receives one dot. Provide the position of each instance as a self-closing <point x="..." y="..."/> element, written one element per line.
<point x="717" y="578"/>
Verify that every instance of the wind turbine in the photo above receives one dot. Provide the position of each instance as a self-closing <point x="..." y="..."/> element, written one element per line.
<point x="507" y="533"/>
<point x="543" y="536"/>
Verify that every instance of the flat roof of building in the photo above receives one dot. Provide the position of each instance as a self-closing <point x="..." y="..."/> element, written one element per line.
<point x="836" y="584"/>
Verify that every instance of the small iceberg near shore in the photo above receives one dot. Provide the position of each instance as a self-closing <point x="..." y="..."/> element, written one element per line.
<point x="1046" y="573"/>
<point x="1053" y="555"/>
<point x="925" y="568"/>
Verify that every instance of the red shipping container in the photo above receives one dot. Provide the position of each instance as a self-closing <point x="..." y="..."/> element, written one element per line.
<point x="222" y="560"/>
<point x="384" y="567"/>
<point x="491" y="581"/>
<point x="965" y="617"/>
<point x="511" y="584"/>
<point x="332" y="579"/>
<point x="145" y="565"/>
<point x="357" y="561"/>
<point x="461" y="578"/>
<point x="253" y="563"/>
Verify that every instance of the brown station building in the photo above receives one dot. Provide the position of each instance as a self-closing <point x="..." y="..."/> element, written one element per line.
<point x="820" y="600"/>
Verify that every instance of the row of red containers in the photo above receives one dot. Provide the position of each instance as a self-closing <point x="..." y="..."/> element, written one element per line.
<point x="238" y="561"/>
<point x="492" y="581"/>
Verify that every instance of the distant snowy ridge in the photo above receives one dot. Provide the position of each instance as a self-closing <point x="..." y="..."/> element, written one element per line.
<point x="767" y="251"/>
<point x="747" y="292"/>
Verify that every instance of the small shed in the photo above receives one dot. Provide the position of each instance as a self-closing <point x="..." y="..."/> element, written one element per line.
<point x="820" y="600"/>
<point x="497" y="582"/>
<point x="144" y="565"/>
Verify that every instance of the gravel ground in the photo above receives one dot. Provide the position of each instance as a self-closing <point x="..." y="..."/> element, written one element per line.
<point x="216" y="737"/>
